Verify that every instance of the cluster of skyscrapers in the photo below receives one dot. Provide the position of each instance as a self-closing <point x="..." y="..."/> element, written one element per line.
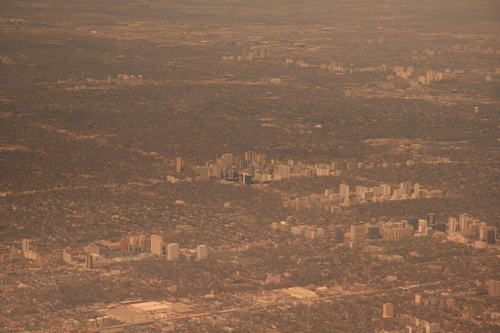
<point x="464" y="229"/>
<point x="334" y="201"/>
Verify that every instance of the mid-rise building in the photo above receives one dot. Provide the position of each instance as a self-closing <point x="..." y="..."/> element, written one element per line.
<point x="432" y="328"/>
<point x="284" y="171"/>
<point x="388" y="310"/>
<point x="178" y="164"/>
<point x="201" y="252"/>
<point x="344" y="191"/>
<point x="431" y="219"/>
<point x="488" y="234"/>
<point x="25" y="245"/>
<point x="494" y="288"/>
<point x="157" y="245"/>
<point x="385" y="190"/>
<point x="452" y="224"/>
<point x="406" y="187"/>
<point x="173" y="251"/>
<point x="358" y="231"/>
<point x="89" y="262"/>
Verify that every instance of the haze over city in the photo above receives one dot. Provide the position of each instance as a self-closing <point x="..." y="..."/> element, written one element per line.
<point x="249" y="166"/>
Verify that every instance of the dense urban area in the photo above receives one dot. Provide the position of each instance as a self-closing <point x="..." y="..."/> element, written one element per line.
<point x="249" y="166"/>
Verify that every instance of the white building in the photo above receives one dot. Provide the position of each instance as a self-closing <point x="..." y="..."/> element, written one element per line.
<point x="156" y="245"/>
<point x="201" y="252"/>
<point x="173" y="251"/>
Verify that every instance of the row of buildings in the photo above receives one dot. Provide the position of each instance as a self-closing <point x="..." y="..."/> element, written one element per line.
<point x="465" y="228"/>
<point x="252" y="167"/>
<point x="333" y="201"/>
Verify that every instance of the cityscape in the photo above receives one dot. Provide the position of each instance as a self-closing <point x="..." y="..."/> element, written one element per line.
<point x="250" y="166"/>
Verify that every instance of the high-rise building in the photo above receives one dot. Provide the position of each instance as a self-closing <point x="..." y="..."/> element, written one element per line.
<point x="418" y="299"/>
<point x="344" y="191"/>
<point x="431" y="219"/>
<point x="385" y="190"/>
<point x="284" y="171"/>
<point x="173" y="251"/>
<point x="464" y="221"/>
<point x="388" y="310"/>
<point x="406" y="187"/>
<point x="488" y="234"/>
<point x="358" y="231"/>
<point x="89" y="262"/>
<point x="156" y="245"/>
<point x="494" y="288"/>
<point x="201" y="252"/>
<point x="416" y="190"/>
<point x="452" y="224"/>
<point x="178" y="164"/>
<point x="413" y="221"/>
<point x="360" y="190"/>
<point x="441" y="226"/>
<point x="25" y="245"/>
<point x="245" y="178"/>
<point x="250" y="156"/>
<point x="374" y="232"/>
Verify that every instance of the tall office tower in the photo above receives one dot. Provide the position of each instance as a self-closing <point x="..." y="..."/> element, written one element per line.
<point x="141" y="80"/>
<point x="406" y="187"/>
<point x="284" y="171"/>
<point x="173" y="251"/>
<point x="452" y="224"/>
<point x="494" y="288"/>
<point x="388" y="310"/>
<point x="89" y="262"/>
<point x="416" y="190"/>
<point x="441" y="226"/>
<point x="245" y="178"/>
<point x="156" y="245"/>
<point x="358" y="231"/>
<point x="201" y="252"/>
<point x="178" y="164"/>
<point x="431" y="219"/>
<point x="385" y="190"/>
<point x="413" y="221"/>
<point x="373" y="232"/>
<point x="360" y="190"/>
<point x="418" y="299"/>
<point x="472" y="230"/>
<point x="488" y="234"/>
<point x="344" y="191"/>
<point x="250" y="156"/>
<point x="144" y="243"/>
<point x="25" y="244"/>
<point x="422" y="226"/>
<point x="261" y="159"/>
<point x="464" y="221"/>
